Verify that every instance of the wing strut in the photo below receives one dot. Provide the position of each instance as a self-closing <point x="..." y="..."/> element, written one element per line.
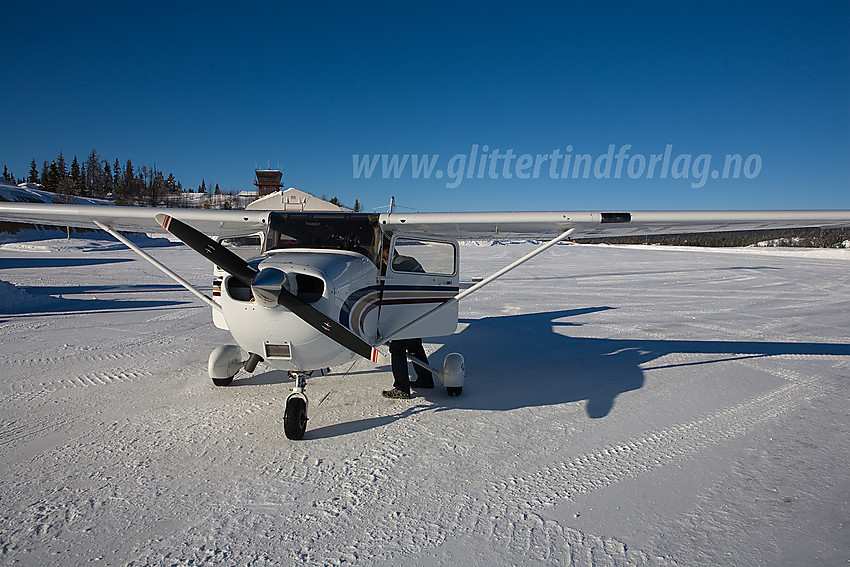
<point x="540" y="249"/>
<point x="161" y="267"/>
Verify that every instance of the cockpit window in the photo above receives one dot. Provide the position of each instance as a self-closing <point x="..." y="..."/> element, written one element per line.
<point x="355" y="232"/>
<point x="427" y="256"/>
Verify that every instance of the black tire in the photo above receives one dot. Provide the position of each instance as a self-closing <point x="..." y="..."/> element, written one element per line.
<point x="295" y="419"/>
<point x="222" y="381"/>
<point x="454" y="390"/>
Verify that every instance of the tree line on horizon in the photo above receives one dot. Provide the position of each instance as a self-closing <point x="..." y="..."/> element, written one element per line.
<point x="125" y="185"/>
<point x="96" y="178"/>
<point x="782" y="237"/>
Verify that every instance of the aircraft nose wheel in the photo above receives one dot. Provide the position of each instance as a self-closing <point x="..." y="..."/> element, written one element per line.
<point x="295" y="418"/>
<point x="295" y="413"/>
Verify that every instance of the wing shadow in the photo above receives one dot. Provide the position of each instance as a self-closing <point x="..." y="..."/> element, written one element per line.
<point x="57" y="262"/>
<point x="45" y="305"/>
<point x="520" y="361"/>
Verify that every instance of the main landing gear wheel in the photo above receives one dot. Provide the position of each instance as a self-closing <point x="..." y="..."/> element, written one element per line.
<point x="454" y="390"/>
<point x="223" y="381"/>
<point x="225" y="362"/>
<point x="295" y="418"/>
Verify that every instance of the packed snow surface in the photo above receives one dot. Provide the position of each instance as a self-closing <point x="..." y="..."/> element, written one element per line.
<point x="623" y="406"/>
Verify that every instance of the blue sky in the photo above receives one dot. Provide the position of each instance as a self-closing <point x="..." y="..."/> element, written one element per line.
<point x="210" y="91"/>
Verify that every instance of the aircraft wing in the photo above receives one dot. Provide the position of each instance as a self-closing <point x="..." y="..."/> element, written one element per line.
<point x="457" y="225"/>
<point x="600" y="223"/>
<point x="136" y="219"/>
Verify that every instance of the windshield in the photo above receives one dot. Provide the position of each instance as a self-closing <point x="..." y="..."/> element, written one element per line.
<point x="356" y="232"/>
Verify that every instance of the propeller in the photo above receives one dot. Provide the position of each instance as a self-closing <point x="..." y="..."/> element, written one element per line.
<point x="269" y="287"/>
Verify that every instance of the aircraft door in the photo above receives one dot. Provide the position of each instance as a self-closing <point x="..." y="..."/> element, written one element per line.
<point x="420" y="274"/>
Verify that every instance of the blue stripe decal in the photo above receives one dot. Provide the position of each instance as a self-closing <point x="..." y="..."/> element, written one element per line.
<point x="352" y="299"/>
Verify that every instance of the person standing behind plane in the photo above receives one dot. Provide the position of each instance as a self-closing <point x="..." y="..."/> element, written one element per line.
<point x="400" y="348"/>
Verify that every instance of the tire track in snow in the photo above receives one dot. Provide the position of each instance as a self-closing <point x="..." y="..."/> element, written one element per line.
<point x="506" y="519"/>
<point x="615" y="462"/>
<point x="12" y="432"/>
<point x="85" y="356"/>
<point x="544" y="541"/>
<point x="100" y="379"/>
<point x="363" y="482"/>
<point x="92" y="379"/>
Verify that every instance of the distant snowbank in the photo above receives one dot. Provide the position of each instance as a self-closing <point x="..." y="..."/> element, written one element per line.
<point x="502" y="242"/>
<point x="791" y="242"/>
<point x="14" y="299"/>
<point x="26" y="193"/>
<point x="55" y="241"/>
<point x="827" y="253"/>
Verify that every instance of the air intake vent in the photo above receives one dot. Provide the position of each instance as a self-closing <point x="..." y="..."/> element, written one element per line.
<point x="278" y="351"/>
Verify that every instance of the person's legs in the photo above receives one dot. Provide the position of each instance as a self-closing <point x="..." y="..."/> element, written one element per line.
<point x="398" y="358"/>
<point x="424" y="379"/>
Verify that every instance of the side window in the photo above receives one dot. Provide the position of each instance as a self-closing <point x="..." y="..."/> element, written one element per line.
<point x="245" y="247"/>
<point x="423" y="256"/>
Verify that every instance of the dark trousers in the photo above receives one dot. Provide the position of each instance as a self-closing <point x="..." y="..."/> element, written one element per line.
<point x="399" y="350"/>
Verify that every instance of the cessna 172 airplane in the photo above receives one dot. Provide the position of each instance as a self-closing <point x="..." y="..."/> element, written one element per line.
<point x="328" y="287"/>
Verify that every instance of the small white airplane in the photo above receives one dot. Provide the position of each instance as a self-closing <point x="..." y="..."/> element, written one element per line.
<point x="323" y="290"/>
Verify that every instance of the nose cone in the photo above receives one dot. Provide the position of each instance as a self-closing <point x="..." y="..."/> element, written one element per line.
<point x="267" y="285"/>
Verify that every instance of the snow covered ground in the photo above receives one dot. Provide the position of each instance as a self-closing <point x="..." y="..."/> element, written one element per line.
<point x="623" y="406"/>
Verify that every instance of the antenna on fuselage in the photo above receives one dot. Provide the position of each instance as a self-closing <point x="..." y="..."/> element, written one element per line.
<point x="392" y="204"/>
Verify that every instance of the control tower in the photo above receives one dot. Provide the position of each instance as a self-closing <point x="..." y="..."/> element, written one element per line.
<point x="268" y="181"/>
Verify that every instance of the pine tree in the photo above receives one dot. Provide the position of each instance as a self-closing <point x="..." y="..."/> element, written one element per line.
<point x="45" y="174"/>
<point x="117" y="174"/>
<point x="75" y="171"/>
<point x="156" y="187"/>
<point x="77" y="179"/>
<point x="94" y="175"/>
<point x="108" y="186"/>
<point x="130" y="192"/>
<point x="356" y="206"/>
<point x="6" y="175"/>
<point x="33" y="172"/>
<point x="118" y="189"/>
<point x="54" y="176"/>
<point x="61" y="168"/>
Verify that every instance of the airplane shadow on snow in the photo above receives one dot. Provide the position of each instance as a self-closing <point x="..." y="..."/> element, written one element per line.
<point x="520" y="361"/>
<point x="48" y="299"/>
<point x="57" y="262"/>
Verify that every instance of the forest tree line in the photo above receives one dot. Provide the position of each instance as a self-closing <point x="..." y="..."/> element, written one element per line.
<point x="786" y="237"/>
<point x="96" y="178"/>
<point x="125" y="185"/>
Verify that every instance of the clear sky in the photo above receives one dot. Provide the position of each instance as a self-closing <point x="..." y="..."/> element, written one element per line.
<point x="212" y="90"/>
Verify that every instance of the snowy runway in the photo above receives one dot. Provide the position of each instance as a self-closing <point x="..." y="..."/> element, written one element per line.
<point x="623" y="406"/>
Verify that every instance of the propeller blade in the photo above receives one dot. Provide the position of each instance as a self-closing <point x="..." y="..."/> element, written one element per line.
<point x="206" y="246"/>
<point x="329" y="327"/>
